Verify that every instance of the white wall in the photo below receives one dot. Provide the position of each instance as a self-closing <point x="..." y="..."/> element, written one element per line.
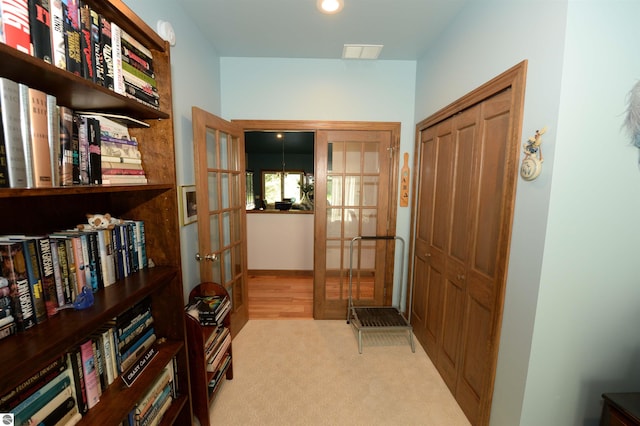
<point x="571" y="307"/>
<point x="192" y="86"/>
<point x="280" y="241"/>
<point x="323" y="89"/>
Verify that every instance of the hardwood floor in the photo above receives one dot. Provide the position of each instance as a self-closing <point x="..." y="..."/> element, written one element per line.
<point x="278" y="295"/>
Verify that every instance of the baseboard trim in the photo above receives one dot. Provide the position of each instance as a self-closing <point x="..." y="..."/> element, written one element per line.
<point x="280" y="272"/>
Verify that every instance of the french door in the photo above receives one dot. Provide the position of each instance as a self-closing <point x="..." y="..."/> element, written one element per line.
<point x="220" y="194"/>
<point x="354" y="196"/>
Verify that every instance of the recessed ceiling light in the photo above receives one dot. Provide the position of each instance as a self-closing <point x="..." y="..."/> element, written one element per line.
<point x="361" y="51"/>
<point x="330" y="6"/>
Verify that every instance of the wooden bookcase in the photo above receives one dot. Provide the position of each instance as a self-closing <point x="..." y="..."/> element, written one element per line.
<point x="42" y="211"/>
<point x="197" y="336"/>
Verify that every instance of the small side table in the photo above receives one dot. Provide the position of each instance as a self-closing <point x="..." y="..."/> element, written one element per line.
<point x="621" y="409"/>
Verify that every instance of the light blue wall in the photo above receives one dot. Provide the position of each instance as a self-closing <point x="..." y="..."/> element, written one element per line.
<point x="323" y="89"/>
<point x="195" y="69"/>
<point x="586" y="338"/>
<point x="571" y="308"/>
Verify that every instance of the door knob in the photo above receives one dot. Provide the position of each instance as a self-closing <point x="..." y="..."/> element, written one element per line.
<point x="210" y="257"/>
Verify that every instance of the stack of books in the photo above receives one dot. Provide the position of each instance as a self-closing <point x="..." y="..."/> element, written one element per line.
<point x="209" y="310"/>
<point x="137" y="72"/>
<point x="152" y="406"/>
<point x="77" y="38"/>
<point x="121" y="160"/>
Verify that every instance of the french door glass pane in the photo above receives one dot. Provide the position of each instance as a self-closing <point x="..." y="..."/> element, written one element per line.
<point x="226" y="229"/>
<point x="370" y="190"/>
<point x="224" y="150"/>
<point x="212" y="152"/>
<point x="371" y="158"/>
<point x="224" y="177"/>
<point x="353" y="157"/>
<point x="213" y="191"/>
<point x="214" y="232"/>
<point x="352" y="190"/>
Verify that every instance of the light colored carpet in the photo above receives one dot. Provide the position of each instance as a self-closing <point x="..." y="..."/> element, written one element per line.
<point x="306" y="372"/>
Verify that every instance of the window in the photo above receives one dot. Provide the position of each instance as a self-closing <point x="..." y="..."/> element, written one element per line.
<point x="275" y="188"/>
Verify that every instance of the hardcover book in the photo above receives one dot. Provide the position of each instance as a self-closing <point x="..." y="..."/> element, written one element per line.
<point x="72" y="30"/>
<point x="116" y="52"/>
<point x="90" y="374"/>
<point x="58" y="35"/>
<point x="53" y="125"/>
<point x="95" y="166"/>
<point x="35" y="129"/>
<point x="40" y="29"/>
<point x="69" y="148"/>
<point x="86" y="43"/>
<point x="15" y="24"/>
<point x="57" y="273"/>
<point x="35" y="278"/>
<point x="106" y="49"/>
<point x="45" y="261"/>
<point x="11" y="127"/>
<point x="74" y="364"/>
<point x="98" y="58"/>
<point x="14" y="269"/>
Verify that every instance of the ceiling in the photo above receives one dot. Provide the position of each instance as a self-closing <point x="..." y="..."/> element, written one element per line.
<point x="296" y="29"/>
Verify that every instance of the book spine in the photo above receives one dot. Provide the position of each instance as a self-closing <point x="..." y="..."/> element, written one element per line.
<point x="86" y="44"/>
<point x="83" y="149"/>
<point x="97" y="280"/>
<point x="25" y="130"/>
<point x="57" y="273"/>
<point x="140" y="76"/>
<point x="53" y="127"/>
<point x="4" y="168"/>
<point x="35" y="279"/>
<point x="15" y="24"/>
<point x="107" y="54"/>
<point x="47" y="274"/>
<point x="65" y="273"/>
<point x="38" y="399"/>
<point x="69" y="155"/>
<point x="90" y="373"/>
<point x="11" y="127"/>
<point x="139" y="48"/>
<point x="98" y="59"/>
<point x="58" y="35"/>
<point x="74" y="362"/>
<point x="99" y="363"/>
<point x="116" y="52"/>
<point x="14" y="269"/>
<point x="38" y="138"/>
<point x="72" y="30"/>
<point x="134" y="92"/>
<point x="40" y="29"/>
<point x="95" y="168"/>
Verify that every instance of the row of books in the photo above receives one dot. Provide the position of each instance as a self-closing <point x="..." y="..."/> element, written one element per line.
<point x="74" y="37"/>
<point x="73" y="384"/>
<point x="43" y="144"/>
<point x="41" y="274"/>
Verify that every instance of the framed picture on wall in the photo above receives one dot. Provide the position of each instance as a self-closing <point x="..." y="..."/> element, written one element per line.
<point x="188" y="206"/>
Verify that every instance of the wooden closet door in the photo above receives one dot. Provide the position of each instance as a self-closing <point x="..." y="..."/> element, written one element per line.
<point x="456" y="256"/>
<point x="492" y="189"/>
<point x="431" y="235"/>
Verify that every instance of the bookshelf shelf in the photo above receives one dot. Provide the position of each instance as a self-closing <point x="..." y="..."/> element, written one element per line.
<point x="40" y="211"/>
<point x="197" y="337"/>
